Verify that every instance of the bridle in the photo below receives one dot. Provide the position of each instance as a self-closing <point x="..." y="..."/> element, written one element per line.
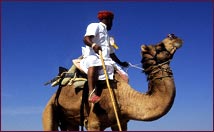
<point x="154" y="70"/>
<point x="163" y="67"/>
<point x="160" y="67"/>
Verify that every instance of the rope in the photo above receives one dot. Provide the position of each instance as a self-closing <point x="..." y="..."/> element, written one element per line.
<point x="137" y="67"/>
<point x="134" y="66"/>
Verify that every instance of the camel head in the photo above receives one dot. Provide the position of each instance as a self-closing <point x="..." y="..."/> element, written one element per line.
<point x="162" y="52"/>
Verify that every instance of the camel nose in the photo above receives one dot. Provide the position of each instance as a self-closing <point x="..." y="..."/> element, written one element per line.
<point x="143" y="48"/>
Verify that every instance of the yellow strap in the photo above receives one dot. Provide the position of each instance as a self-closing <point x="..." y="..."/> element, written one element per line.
<point x="115" y="46"/>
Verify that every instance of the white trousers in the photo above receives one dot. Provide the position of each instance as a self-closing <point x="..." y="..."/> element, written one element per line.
<point x="94" y="60"/>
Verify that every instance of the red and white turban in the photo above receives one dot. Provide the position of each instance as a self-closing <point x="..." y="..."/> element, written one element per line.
<point x="105" y="14"/>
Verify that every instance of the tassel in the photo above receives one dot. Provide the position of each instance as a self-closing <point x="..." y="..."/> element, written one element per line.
<point x="113" y="43"/>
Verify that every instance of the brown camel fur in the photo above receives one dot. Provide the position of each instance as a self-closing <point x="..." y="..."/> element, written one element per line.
<point x="68" y="108"/>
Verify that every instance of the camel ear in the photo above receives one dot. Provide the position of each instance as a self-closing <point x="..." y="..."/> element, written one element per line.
<point x="143" y="48"/>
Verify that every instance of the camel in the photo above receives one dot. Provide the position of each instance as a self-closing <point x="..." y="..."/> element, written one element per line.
<point x="68" y="108"/>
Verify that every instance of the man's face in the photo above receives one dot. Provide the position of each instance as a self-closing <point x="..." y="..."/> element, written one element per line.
<point x="109" y="23"/>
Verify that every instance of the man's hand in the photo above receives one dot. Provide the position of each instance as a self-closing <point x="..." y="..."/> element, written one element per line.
<point x="124" y="64"/>
<point x="96" y="49"/>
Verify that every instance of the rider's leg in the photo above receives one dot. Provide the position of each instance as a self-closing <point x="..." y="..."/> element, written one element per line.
<point x="92" y="79"/>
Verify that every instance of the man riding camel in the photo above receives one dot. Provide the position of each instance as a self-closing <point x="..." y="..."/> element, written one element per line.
<point x="96" y="38"/>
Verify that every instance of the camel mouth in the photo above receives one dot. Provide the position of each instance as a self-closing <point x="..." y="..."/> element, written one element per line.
<point x="176" y="42"/>
<point x="178" y="45"/>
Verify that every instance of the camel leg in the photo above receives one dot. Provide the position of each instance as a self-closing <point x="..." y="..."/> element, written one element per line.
<point x="93" y="122"/>
<point x="123" y="127"/>
<point x="73" y="127"/>
<point x="48" y="118"/>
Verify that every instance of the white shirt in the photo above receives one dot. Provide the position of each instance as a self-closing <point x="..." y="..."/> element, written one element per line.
<point x="90" y="58"/>
<point x="101" y="38"/>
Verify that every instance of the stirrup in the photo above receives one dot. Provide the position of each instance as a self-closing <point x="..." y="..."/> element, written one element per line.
<point x="90" y="94"/>
<point x="93" y="99"/>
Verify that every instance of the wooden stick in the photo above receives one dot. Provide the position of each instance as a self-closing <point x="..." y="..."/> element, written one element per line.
<point x="110" y="91"/>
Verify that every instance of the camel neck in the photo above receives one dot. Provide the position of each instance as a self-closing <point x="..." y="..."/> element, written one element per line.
<point x="156" y="102"/>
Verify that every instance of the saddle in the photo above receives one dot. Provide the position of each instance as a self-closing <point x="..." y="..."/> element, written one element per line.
<point x="74" y="76"/>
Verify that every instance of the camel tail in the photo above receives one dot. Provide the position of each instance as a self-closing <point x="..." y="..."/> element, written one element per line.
<point x="49" y="117"/>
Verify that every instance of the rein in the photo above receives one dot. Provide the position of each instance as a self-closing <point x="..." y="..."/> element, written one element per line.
<point x="134" y="66"/>
<point x="153" y="67"/>
<point x="153" y="70"/>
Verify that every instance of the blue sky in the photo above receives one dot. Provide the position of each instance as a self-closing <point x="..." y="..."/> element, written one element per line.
<point x="38" y="37"/>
